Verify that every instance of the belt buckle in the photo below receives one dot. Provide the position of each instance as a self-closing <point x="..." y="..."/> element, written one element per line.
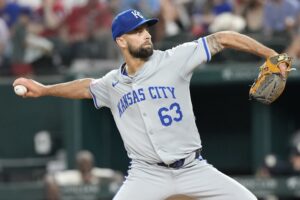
<point x="178" y="164"/>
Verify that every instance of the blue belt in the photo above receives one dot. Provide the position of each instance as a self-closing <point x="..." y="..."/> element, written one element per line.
<point x="179" y="163"/>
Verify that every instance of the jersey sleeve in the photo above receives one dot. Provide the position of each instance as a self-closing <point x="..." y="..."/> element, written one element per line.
<point x="99" y="92"/>
<point x="190" y="55"/>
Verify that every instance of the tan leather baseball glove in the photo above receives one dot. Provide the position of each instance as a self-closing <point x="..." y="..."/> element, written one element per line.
<point x="270" y="82"/>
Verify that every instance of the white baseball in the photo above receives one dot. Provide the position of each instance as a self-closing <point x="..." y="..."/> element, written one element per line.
<point x="20" y="90"/>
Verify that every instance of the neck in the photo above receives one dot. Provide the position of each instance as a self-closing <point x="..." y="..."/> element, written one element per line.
<point x="133" y="65"/>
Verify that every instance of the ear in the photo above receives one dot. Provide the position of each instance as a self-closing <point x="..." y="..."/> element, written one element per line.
<point x="121" y="42"/>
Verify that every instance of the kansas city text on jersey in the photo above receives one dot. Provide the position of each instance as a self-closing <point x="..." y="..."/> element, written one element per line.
<point x="141" y="94"/>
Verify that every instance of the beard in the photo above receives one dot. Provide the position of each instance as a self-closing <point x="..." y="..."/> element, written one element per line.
<point x="141" y="52"/>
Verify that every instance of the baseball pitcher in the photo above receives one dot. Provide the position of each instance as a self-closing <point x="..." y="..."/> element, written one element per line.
<point x="149" y="97"/>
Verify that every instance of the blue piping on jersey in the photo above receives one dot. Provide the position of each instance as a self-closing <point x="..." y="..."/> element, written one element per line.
<point x="94" y="99"/>
<point x="206" y="49"/>
<point x="123" y="70"/>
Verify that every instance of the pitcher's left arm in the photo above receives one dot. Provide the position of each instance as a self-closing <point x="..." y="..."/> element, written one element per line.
<point x="233" y="40"/>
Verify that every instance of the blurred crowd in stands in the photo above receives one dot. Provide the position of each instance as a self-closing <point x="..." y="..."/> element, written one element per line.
<point x="276" y="166"/>
<point x="86" y="174"/>
<point x="49" y="36"/>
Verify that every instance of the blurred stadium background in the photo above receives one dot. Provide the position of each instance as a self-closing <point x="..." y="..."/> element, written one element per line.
<point x="59" y="40"/>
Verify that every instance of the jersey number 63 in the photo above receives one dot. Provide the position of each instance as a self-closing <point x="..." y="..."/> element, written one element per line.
<point x="165" y="117"/>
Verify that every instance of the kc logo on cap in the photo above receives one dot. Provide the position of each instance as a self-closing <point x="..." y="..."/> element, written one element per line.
<point x="129" y="20"/>
<point x="137" y="14"/>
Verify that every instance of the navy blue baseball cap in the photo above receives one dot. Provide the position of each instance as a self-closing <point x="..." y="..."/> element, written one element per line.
<point x="129" y="20"/>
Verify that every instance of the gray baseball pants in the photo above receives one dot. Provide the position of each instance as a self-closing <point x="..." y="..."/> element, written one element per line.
<point x="198" y="180"/>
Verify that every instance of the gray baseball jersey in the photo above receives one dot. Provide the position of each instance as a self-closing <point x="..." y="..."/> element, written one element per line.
<point x="153" y="109"/>
<point x="154" y="114"/>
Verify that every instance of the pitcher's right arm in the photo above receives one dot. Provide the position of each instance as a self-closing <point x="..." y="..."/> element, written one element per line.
<point x="77" y="89"/>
